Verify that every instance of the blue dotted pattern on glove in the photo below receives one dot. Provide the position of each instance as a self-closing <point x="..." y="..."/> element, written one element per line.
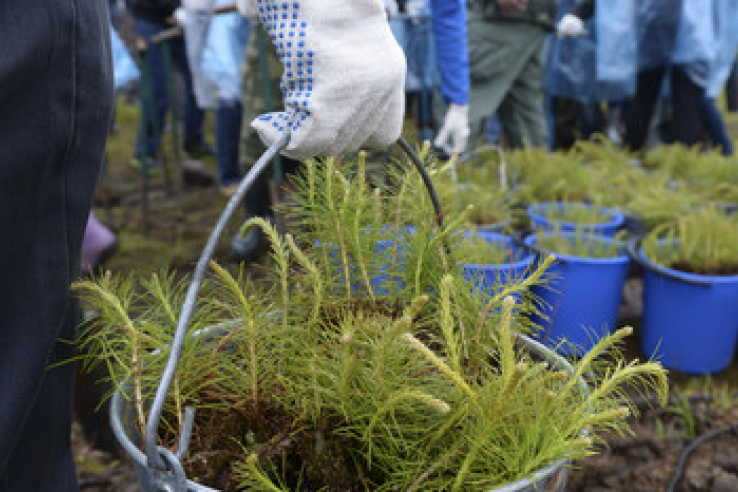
<point x="289" y="35"/>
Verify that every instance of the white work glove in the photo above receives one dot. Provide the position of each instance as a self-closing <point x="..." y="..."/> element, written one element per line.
<point x="344" y="75"/>
<point x="570" y="26"/>
<point x="200" y="5"/>
<point x="455" y="130"/>
<point x="391" y="7"/>
<point x="183" y="15"/>
<point x="417" y="10"/>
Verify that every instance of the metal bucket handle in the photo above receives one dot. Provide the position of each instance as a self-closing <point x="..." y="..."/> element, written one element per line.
<point x="159" y="459"/>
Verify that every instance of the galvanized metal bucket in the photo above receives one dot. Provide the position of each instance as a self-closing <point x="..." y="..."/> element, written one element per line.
<point x="549" y="479"/>
<point x="160" y="470"/>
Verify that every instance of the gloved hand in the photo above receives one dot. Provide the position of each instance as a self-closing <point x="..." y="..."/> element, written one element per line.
<point x="199" y="5"/>
<point x="183" y="15"/>
<point x="455" y="130"/>
<point x="344" y="75"/>
<point x="416" y="9"/>
<point x="570" y="26"/>
<point x="391" y="7"/>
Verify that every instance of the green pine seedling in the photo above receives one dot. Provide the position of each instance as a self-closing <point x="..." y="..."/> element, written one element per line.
<point x="366" y="362"/>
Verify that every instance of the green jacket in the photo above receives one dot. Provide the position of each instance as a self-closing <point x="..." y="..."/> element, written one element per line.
<point x="538" y="12"/>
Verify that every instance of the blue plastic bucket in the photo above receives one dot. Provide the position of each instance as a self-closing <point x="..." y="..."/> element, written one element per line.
<point x="580" y="298"/>
<point x="690" y="321"/>
<point x="491" y="278"/>
<point x="540" y="221"/>
<point x="385" y="270"/>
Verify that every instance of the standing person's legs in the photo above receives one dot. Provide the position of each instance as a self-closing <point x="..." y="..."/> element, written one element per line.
<point x="155" y="93"/>
<point x="567" y="116"/>
<point x="228" y="121"/>
<point x="686" y="97"/>
<point x="193" y="117"/>
<point x="712" y="121"/>
<point x="640" y="108"/>
<point x="731" y="89"/>
<point x="499" y="51"/>
<point x="521" y="112"/>
<point x="56" y="98"/>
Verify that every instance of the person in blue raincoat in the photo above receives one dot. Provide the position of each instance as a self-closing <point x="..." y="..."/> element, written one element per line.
<point x="675" y="40"/>
<point x="591" y="60"/>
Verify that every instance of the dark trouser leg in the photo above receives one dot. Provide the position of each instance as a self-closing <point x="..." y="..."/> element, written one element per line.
<point x="55" y="104"/>
<point x="157" y="93"/>
<point x="685" y="108"/>
<point x="714" y="125"/>
<point x="228" y="121"/>
<point x="567" y="122"/>
<point x="640" y="108"/>
<point x="193" y="117"/>
<point x="731" y="89"/>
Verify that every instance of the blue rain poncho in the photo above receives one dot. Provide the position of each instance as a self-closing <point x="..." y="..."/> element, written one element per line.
<point x="598" y="66"/>
<point x="700" y="36"/>
<point x="216" y="46"/>
<point x="726" y="32"/>
<point x="224" y="54"/>
<point x="125" y="70"/>
<point x="414" y="35"/>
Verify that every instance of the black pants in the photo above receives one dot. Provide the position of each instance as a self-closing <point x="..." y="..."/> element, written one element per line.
<point x="55" y="104"/>
<point x="685" y="100"/>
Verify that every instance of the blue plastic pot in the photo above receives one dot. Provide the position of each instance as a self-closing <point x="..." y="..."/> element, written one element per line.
<point x="491" y="278"/>
<point x="539" y="220"/>
<point x="581" y="297"/>
<point x="386" y="269"/>
<point x="690" y="321"/>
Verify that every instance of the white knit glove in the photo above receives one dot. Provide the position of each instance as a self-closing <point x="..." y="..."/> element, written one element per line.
<point x="183" y="15"/>
<point x="417" y="9"/>
<point x="199" y="5"/>
<point x="570" y="26"/>
<point x="391" y="7"/>
<point x="454" y="133"/>
<point x="344" y="75"/>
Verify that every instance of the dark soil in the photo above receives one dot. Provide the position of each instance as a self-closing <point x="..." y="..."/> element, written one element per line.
<point x="725" y="270"/>
<point x="647" y="460"/>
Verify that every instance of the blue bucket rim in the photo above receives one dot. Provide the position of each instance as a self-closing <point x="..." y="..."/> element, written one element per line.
<point x="523" y="263"/>
<point x="674" y="274"/>
<point x="615" y="260"/>
<point x="618" y="218"/>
